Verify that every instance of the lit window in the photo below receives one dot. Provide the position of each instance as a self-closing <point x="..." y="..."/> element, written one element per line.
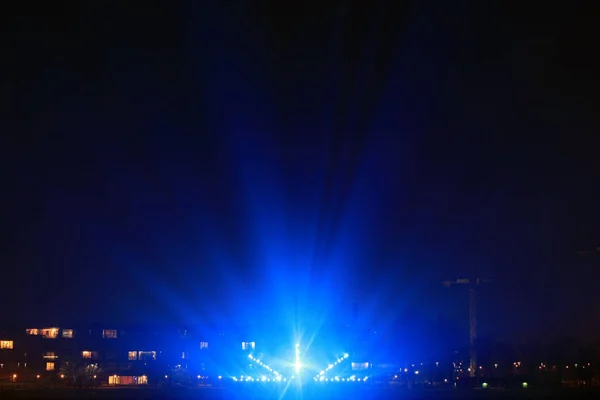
<point x="67" y="333"/>
<point x="49" y="366"/>
<point x="109" y="333"/>
<point x="359" y="366"/>
<point x="50" y="355"/>
<point x="147" y="355"/>
<point x="248" y="345"/>
<point x="183" y="354"/>
<point x="203" y="345"/>
<point x="32" y="332"/>
<point x="86" y="354"/>
<point x="142" y="380"/>
<point x="6" y="344"/>
<point x="49" y="333"/>
<point x="132" y="355"/>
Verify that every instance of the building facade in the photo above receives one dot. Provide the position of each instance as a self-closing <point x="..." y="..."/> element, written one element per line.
<point x="116" y="355"/>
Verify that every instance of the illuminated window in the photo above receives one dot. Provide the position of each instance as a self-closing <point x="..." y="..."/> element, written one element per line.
<point x="32" y="332"/>
<point x="142" y="380"/>
<point x="132" y="355"/>
<point x="49" y="366"/>
<point x="86" y="354"/>
<point x="248" y="345"/>
<point x="67" y="333"/>
<point x="359" y="366"/>
<point x="147" y="355"/>
<point x="6" y="344"/>
<point x="50" y="355"/>
<point x="109" y="333"/>
<point x="203" y="345"/>
<point x="183" y="354"/>
<point x="49" y="333"/>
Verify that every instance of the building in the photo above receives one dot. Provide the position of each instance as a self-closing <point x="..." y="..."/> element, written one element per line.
<point x="117" y="355"/>
<point x="145" y="354"/>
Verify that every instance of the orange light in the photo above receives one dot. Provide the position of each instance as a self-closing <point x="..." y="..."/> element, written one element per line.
<point x="62" y="376"/>
<point x="38" y="377"/>
<point x="15" y="376"/>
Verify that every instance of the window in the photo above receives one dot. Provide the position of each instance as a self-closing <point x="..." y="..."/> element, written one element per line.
<point x="147" y="355"/>
<point x="132" y="355"/>
<point x="50" y="355"/>
<point x="359" y="366"/>
<point x="89" y="354"/>
<point x="109" y="333"/>
<point x="6" y="344"/>
<point x="67" y="333"/>
<point x="49" y="366"/>
<point x="183" y="354"/>
<point x="32" y="331"/>
<point x="248" y="345"/>
<point x="203" y="345"/>
<point x="49" y="333"/>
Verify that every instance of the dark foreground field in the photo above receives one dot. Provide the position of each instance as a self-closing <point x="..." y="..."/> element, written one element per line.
<point x="306" y="394"/>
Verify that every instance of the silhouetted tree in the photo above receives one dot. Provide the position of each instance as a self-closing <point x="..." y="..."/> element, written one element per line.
<point x="78" y="372"/>
<point x="181" y="375"/>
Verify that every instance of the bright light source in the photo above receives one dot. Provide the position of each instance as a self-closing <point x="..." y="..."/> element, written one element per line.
<point x="346" y="355"/>
<point x="298" y="363"/>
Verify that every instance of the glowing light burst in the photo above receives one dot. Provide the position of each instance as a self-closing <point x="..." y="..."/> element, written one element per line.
<point x="298" y="363"/>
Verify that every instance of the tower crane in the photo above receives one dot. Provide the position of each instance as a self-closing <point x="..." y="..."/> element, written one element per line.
<point x="473" y="284"/>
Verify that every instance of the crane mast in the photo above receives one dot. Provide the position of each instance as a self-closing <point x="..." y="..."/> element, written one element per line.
<point x="473" y="284"/>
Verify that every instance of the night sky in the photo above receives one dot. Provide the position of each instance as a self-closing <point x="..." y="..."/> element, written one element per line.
<point x="186" y="162"/>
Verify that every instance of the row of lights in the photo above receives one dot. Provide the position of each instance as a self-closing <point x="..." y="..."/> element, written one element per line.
<point x="62" y="376"/>
<point x="263" y="378"/>
<point x="338" y="379"/>
<point x="331" y="366"/>
<point x="265" y="366"/>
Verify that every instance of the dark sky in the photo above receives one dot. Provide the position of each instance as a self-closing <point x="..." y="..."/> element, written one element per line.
<point x="191" y="162"/>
